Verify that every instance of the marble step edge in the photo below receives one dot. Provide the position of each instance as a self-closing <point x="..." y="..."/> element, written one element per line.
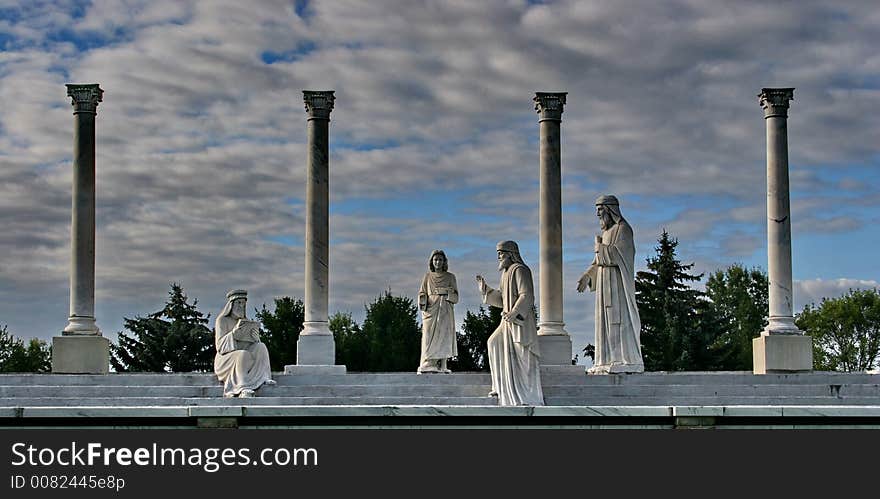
<point x="183" y="411"/>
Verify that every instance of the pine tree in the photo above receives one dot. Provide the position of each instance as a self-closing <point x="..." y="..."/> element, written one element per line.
<point x="281" y="330"/>
<point x="673" y="315"/>
<point x="174" y="339"/>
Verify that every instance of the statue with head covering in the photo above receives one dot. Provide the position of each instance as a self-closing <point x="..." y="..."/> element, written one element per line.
<point x="514" y="357"/>
<point x="437" y="295"/>
<point x="242" y="360"/>
<point x="612" y="277"/>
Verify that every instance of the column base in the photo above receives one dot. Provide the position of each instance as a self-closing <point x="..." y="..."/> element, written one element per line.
<point x="80" y="354"/>
<point x="315" y="351"/>
<point x="782" y="353"/>
<point x="781" y="325"/>
<point x="555" y="349"/>
<point x="81" y="325"/>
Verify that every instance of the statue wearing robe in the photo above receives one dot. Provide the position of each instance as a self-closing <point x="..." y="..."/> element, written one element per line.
<point x="514" y="357"/>
<point x="612" y="277"/>
<point x="242" y="360"/>
<point x="437" y="295"/>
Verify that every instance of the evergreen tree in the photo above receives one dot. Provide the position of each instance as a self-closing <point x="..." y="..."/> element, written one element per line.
<point x="174" y="339"/>
<point x="673" y="315"/>
<point x="352" y="345"/>
<point x="393" y="334"/>
<point x="473" y="353"/>
<point x="281" y="330"/>
<point x="16" y="357"/>
<point x="845" y="331"/>
<point x="738" y="300"/>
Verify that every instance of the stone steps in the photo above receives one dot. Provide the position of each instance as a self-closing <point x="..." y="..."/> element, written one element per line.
<point x="561" y="388"/>
<point x="435" y="390"/>
<point x="220" y="401"/>
<point x="273" y="391"/>
<point x="711" y="401"/>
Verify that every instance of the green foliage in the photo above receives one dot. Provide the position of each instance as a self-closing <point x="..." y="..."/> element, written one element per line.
<point x="738" y="301"/>
<point x="174" y="339"/>
<point x="16" y="357"/>
<point x="281" y="330"/>
<point x="392" y="333"/>
<point x="352" y="345"/>
<point x="473" y="354"/>
<point x="677" y="327"/>
<point x="845" y="331"/>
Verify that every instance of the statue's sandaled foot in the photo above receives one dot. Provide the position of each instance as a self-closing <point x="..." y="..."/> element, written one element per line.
<point x="246" y="394"/>
<point x="270" y="382"/>
<point x="493" y="393"/>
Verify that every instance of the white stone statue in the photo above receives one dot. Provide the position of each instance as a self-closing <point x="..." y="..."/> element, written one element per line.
<point x="612" y="277"/>
<point x="513" y="347"/>
<point x="242" y="360"/>
<point x="437" y="295"/>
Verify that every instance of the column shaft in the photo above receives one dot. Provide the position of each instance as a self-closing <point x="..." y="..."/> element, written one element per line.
<point x="317" y="228"/>
<point x="550" y="214"/>
<point x="82" y="223"/>
<point x="781" y="310"/>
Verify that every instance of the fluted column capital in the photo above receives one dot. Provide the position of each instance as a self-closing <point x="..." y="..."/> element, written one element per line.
<point x="775" y="101"/>
<point x="85" y="98"/>
<point x="319" y="103"/>
<point x="550" y="105"/>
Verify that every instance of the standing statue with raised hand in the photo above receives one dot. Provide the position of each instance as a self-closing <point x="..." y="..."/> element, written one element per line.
<point x="514" y="357"/>
<point x="612" y="277"/>
<point x="242" y="360"/>
<point x="438" y="294"/>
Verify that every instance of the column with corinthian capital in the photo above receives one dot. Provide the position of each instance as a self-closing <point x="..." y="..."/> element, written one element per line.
<point x="554" y="340"/>
<point x="782" y="347"/>
<point x="315" y="349"/>
<point x="81" y="348"/>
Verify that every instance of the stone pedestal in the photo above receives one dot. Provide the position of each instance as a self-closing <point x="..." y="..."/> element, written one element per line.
<point x="316" y="350"/>
<point x="80" y="354"/>
<point x="555" y="349"/>
<point x="81" y="348"/>
<point x="781" y="347"/>
<point x="554" y="340"/>
<point x="782" y="353"/>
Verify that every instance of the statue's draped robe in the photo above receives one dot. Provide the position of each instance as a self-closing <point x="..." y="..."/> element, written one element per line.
<point x="239" y="365"/>
<point x="513" y="347"/>
<point x="438" y="321"/>
<point x="618" y="328"/>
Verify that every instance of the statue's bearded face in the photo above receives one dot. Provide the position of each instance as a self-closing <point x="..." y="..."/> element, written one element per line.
<point x="239" y="306"/>
<point x="504" y="260"/>
<point x="606" y="221"/>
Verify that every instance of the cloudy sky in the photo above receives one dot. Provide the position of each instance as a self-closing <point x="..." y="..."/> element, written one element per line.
<point x="434" y="141"/>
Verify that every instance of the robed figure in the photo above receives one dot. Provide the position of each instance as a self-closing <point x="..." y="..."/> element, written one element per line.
<point x="437" y="295"/>
<point x="514" y="357"/>
<point x="242" y="360"/>
<point x="612" y="277"/>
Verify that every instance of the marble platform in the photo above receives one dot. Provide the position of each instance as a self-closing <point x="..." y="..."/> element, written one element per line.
<point x="574" y="400"/>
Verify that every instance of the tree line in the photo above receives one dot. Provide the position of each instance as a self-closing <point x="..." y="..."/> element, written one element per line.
<point x="683" y="328"/>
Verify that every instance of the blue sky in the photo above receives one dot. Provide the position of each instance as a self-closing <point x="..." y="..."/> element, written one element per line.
<point x="201" y="142"/>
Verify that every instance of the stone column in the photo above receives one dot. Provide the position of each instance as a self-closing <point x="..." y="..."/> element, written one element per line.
<point x="781" y="346"/>
<point x="81" y="348"/>
<point x="554" y="340"/>
<point x="315" y="349"/>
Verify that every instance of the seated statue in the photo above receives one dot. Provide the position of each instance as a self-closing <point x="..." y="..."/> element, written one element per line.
<point x="242" y="360"/>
